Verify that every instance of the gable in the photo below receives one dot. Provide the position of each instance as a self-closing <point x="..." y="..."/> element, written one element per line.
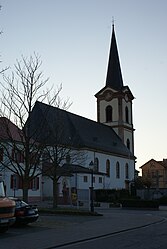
<point x="152" y="165"/>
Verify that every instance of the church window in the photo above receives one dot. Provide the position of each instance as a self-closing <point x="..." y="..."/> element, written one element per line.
<point x="117" y="170"/>
<point x="96" y="164"/>
<point x="85" y="179"/>
<point x="126" y="114"/>
<point x="108" y="168"/>
<point x="100" y="179"/>
<point x="126" y="171"/>
<point x="128" y="143"/>
<point x="109" y="113"/>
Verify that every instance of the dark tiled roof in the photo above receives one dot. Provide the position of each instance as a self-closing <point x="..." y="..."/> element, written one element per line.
<point x="9" y="131"/>
<point x="53" y="125"/>
<point x="68" y="169"/>
<point x="74" y="168"/>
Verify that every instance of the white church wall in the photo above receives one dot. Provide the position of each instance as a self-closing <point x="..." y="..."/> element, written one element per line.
<point x="112" y="181"/>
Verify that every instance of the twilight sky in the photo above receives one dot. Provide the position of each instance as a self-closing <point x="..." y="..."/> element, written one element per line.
<point x="73" y="38"/>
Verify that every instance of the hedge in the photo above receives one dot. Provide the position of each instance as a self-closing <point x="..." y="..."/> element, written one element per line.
<point x="151" y="204"/>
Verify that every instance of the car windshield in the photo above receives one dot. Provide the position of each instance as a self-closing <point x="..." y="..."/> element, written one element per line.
<point x="2" y="192"/>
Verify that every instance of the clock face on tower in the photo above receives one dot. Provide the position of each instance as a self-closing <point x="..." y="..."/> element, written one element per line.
<point x="108" y="96"/>
<point x="126" y="97"/>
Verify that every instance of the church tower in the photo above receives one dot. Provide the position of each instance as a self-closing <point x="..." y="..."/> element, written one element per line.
<point x="114" y="101"/>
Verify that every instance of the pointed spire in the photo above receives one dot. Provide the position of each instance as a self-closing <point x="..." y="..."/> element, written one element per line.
<point x="114" y="75"/>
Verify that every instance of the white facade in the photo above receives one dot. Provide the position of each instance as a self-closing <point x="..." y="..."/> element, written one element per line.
<point x="12" y="181"/>
<point x="121" y="114"/>
<point x="82" y="181"/>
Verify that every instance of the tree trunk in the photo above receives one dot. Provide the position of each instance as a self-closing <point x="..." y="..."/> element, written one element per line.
<point x="55" y="193"/>
<point x="25" y="190"/>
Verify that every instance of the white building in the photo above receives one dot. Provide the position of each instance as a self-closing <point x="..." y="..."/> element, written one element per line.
<point x="12" y="161"/>
<point x="108" y="143"/>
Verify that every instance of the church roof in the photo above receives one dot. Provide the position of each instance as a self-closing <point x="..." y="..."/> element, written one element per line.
<point x="114" y="75"/>
<point x="53" y="125"/>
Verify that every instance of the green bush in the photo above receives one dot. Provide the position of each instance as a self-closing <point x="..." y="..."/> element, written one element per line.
<point x="111" y="195"/>
<point x="140" y="204"/>
<point x="163" y="200"/>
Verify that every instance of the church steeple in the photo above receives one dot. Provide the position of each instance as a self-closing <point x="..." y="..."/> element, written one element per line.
<point x="114" y="100"/>
<point x="114" y="75"/>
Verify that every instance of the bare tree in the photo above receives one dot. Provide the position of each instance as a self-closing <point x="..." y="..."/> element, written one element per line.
<point x="142" y="182"/>
<point x="56" y="155"/>
<point x="19" y="93"/>
<point x="60" y="151"/>
<point x="54" y="131"/>
<point x="2" y="70"/>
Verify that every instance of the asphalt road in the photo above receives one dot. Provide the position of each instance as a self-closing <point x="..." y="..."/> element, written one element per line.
<point x="115" y="229"/>
<point x="151" y="237"/>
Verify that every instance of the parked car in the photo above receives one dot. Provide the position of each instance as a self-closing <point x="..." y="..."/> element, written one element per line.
<point x="24" y="212"/>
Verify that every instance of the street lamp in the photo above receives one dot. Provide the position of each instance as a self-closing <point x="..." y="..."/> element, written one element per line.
<point x="91" y="167"/>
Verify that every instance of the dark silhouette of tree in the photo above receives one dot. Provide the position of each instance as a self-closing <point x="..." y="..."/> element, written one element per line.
<point x="19" y="93"/>
<point x="142" y="182"/>
<point x="52" y="128"/>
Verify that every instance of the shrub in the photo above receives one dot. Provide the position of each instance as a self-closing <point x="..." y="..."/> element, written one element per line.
<point x="163" y="200"/>
<point x="140" y="204"/>
<point x="111" y="195"/>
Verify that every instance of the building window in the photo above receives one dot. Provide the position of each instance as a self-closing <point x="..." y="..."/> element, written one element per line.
<point x="108" y="168"/>
<point x="109" y="113"/>
<point x="85" y="179"/>
<point x="1" y="154"/>
<point x="126" y="171"/>
<point x="153" y="174"/>
<point x="94" y="179"/>
<point x="17" y="156"/>
<point x="117" y="170"/>
<point x="34" y="184"/>
<point x="14" y="182"/>
<point x="128" y="143"/>
<point x="100" y="179"/>
<point x="126" y="114"/>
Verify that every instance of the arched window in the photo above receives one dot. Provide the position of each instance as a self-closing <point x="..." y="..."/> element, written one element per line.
<point x="126" y="114"/>
<point x="128" y="143"/>
<point x="108" y="168"/>
<point x="117" y="170"/>
<point x="126" y="171"/>
<point x="96" y="164"/>
<point x="109" y="113"/>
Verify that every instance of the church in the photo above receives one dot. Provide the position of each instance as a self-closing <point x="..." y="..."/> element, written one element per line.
<point x="84" y="153"/>
<point x="106" y="145"/>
